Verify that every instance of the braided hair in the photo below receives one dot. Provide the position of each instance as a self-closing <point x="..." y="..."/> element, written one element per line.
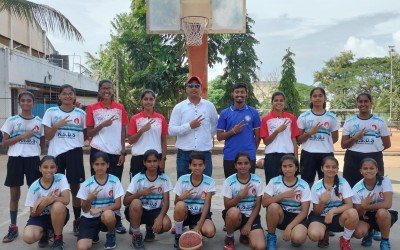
<point x="336" y="180"/>
<point x="379" y="176"/>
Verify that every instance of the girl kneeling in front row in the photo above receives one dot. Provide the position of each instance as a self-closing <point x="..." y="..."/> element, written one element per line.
<point x="242" y="201"/>
<point x="287" y="199"/>
<point x="147" y="200"/>
<point x="332" y="207"/>
<point x="372" y="198"/>
<point x="47" y="198"/>
<point x="101" y="200"/>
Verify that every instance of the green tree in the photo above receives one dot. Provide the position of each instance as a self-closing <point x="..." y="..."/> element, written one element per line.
<point x="216" y="92"/>
<point x="345" y="77"/>
<point x="241" y="63"/>
<point x="45" y="16"/>
<point x="288" y="82"/>
<point x="304" y="94"/>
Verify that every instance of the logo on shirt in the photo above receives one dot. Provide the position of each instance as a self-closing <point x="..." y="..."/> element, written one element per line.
<point x="340" y="196"/>
<point x="326" y="124"/>
<point x="381" y="195"/>
<point x="76" y="121"/>
<point x="253" y="191"/>
<point x="57" y="192"/>
<point x="159" y="190"/>
<point x="36" y="128"/>
<point x="111" y="193"/>
<point x="374" y="127"/>
<point x="203" y="195"/>
<point x="297" y="197"/>
<point x="247" y="118"/>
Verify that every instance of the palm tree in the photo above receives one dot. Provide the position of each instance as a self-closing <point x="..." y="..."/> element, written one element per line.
<point x="45" y="16"/>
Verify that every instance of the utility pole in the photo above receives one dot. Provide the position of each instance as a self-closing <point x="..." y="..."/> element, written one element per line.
<point x="391" y="51"/>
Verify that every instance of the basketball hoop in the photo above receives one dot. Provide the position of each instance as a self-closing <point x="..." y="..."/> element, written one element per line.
<point x="194" y="28"/>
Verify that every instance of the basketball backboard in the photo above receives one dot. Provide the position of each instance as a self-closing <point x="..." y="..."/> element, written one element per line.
<point x="224" y="16"/>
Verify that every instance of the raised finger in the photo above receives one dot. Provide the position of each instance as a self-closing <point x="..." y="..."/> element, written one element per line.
<point x="199" y="117"/>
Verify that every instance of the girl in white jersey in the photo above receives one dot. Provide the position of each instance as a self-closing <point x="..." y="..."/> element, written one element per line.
<point x="373" y="196"/>
<point x="278" y="130"/>
<point x="101" y="200"/>
<point x="22" y="134"/>
<point x="364" y="135"/>
<point x="193" y="199"/>
<point x="287" y="199"/>
<point x="65" y="127"/>
<point x="332" y="207"/>
<point x="147" y="130"/>
<point x="318" y="132"/>
<point x="147" y="200"/>
<point x="47" y="199"/>
<point x="242" y="194"/>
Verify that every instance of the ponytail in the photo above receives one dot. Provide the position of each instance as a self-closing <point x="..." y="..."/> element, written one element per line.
<point x="336" y="185"/>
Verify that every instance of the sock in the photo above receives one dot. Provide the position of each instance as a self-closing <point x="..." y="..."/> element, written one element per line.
<point x="230" y="235"/>
<point x="77" y="212"/>
<point x="13" y="217"/>
<point x="178" y="227"/>
<point x="135" y="230"/>
<point x="347" y="233"/>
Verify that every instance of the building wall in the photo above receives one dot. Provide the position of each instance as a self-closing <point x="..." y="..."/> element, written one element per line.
<point x="17" y="69"/>
<point x="24" y="36"/>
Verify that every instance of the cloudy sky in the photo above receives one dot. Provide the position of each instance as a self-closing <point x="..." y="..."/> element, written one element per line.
<point x="315" y="30"/>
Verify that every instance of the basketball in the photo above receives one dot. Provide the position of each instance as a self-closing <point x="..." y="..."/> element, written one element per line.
<point x="190" y="240"/>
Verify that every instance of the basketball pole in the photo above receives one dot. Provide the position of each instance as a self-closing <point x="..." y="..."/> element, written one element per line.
<point x="198" y="63"/>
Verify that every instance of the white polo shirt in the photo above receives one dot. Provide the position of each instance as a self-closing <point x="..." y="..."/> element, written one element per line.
<point x="371" y="141"/>
<point x="321" y="142"/>
<point x="199" y="139"/>
<point x="17" y="125"/>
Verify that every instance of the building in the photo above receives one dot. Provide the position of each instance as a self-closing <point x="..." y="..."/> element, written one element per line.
<point x="28" y="61"/>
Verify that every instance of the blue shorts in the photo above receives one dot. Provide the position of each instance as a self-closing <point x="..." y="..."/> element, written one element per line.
<point x="44" y="221"/>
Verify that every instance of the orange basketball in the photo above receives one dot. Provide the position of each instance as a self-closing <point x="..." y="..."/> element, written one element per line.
<point x="190" y="240"/>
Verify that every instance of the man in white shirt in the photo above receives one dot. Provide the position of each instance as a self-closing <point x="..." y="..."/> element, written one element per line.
<point x="194" y="123"/>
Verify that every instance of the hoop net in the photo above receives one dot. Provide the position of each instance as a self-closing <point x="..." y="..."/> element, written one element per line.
<point x="194" y="28"/>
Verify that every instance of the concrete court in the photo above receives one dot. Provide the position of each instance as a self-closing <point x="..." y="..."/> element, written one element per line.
<point x="165" y="241"/>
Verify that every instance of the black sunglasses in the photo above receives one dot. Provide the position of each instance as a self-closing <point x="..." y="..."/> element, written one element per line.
<point x="193" y="85"/>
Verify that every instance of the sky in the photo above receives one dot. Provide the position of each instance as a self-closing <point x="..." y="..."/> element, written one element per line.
<point x="315" y="30"/>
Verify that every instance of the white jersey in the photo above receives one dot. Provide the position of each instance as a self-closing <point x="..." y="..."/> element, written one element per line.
<point x="109" y="192"/>
<point x="69" y="136"/>
<point x="232" y="187"/>
<point x="321" y="142"/>
<point x="17" y="125"/>
<point x="195" y="202"/>
<point x="336" y="201"/>
<point x="371" y="141"/>
<point x="361" y="191"/>
<point x="154" y="200"/>
<point x="37" y="191"/>
<point x="277" y="186"/>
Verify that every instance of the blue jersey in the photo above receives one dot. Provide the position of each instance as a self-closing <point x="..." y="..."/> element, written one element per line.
<point x="195" y="202"/>
<point x="232" y="187"/>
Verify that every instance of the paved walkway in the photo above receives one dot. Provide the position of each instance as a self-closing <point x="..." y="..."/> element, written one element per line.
<point x="165" y="241"/>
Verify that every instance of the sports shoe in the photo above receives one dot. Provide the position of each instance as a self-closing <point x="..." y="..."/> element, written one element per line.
<point x="324" y="243"/>
<point x="58" y="243"/>
<point x="149" y="237"/>
<point x="295" y="244"/>
<point x="12" y="234"/>
<point x="244" y="239"/>
<point x="176" y="244"/>
<point x="75" y="227"/>
<point x="377" y="235"/>
<point x="385" y="245"/>
<point x="344" y="244"/>
<point x="119" y="228"/>
<point x="111" y="241"/>
<point x="331" y="234"/>
<point x="137" y="241"/>
<point x="271" y="241"/>
<point x="229" y="243"/>
<point x="367" y="240"/>
<point x="44" y="241"/>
